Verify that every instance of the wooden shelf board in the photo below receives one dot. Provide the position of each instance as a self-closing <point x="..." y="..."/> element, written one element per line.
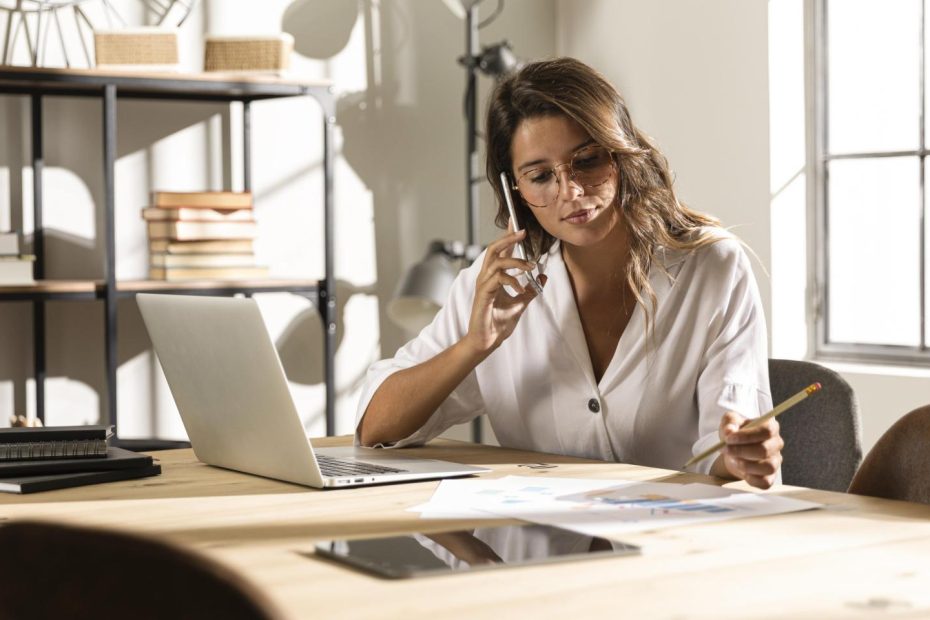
<point x="157" y="84"/>
<point x="203" y="76"/>
<point x="95" y="288"/>
<point x="53" y="286"/>
<point x="138" y="286"/>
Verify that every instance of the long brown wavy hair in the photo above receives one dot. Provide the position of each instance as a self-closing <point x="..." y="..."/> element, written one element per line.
<point x="645" y="196"/>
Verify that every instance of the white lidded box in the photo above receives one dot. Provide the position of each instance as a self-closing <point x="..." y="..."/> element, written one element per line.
<point x="9" y="243"/>
<point x="16" y="270"/>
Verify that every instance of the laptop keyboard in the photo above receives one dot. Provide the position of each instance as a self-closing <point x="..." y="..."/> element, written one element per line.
<point x="335" y="467"/>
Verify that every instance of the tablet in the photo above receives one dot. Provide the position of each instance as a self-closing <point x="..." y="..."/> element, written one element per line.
<point x="468" y="550"/>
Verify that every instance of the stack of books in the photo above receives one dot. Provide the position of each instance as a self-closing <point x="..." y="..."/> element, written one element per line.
<point x="202" y="236"/>
<point x="15" y="268"/>
<point x="41" y="459"/>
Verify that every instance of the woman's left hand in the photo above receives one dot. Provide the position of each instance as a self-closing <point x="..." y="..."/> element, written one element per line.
<point x="753" y="455"/>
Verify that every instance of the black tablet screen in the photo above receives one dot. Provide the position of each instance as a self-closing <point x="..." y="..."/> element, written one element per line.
<point x="462" y="550"/>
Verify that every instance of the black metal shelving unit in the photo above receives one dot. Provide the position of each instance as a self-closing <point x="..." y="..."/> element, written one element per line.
<point x="110" y="87"/>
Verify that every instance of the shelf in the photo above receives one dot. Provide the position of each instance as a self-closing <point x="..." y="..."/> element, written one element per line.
<point x="189" y="86"/>
<point x="110" y="87"/>
<point x="47" y="290"/>
<point x="52" y="289"/>
<point x="127" y="288"/>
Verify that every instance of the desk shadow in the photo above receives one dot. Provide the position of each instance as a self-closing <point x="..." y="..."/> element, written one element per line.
<point x="315" y="530"/>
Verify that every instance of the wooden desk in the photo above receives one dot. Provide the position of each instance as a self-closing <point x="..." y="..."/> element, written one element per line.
<point x="858" y="557"/>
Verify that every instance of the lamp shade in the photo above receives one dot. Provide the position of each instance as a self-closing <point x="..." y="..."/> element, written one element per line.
<point x="498" y="60"/>
<point x="423" y="290"/>
<point x="460" y="7"/>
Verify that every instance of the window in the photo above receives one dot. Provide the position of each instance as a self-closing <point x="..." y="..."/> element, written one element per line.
<point x="870" y="148"/>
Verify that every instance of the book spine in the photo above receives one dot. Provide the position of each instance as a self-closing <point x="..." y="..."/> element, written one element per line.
<point x="54" y="433"/>
<point x="45" y="467"/>
<point x="159" y="214"/>
<point x="209" y="200"/>
<point x="180" y="230"/>
<point x="72" y="448"/>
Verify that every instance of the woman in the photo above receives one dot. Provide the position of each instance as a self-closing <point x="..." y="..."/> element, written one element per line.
<point x="648" y="342"/>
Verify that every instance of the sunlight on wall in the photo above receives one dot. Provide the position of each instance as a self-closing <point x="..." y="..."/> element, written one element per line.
<point x="787" y="323"/>
<point x="67" y="202"/>
<point x="75" y="403"/>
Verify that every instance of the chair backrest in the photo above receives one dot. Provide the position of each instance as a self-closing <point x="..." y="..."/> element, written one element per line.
<point x="823" y="444"/>
<point x="49" y="570"/>
<point x="898" y="466"/>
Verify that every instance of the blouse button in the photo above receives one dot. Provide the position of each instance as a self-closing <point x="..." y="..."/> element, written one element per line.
<point x="594" y="406"/>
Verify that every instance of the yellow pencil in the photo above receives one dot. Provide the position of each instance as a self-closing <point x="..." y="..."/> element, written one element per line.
<point x="787" y="404"/>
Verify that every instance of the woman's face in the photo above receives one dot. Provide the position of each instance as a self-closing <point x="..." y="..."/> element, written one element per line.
<point x="578" y="215"/>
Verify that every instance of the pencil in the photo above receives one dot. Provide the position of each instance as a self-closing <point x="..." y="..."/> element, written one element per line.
<point x="780" y="409"/>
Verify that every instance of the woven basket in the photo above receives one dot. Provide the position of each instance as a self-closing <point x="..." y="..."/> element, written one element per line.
<point x="146" y="46"/>
<point x="248" y="53"/>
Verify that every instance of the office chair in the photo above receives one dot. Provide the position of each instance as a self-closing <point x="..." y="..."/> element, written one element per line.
<point x="822" y="436"/>
<point x="899" y="464"/>
<point x="49" y="570"/>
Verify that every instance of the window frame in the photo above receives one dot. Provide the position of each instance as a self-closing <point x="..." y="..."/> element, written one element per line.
<point x="818" y="310"/>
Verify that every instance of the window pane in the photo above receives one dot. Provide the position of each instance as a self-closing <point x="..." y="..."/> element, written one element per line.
<point x="873" y="69"/>
<point x="873" y="228"/>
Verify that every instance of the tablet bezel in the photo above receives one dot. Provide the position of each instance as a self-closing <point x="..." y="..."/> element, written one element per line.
<point x="395" y="567"/>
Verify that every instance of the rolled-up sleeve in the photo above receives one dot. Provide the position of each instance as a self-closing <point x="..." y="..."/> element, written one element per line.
<point x="448" y="327"/>
<point x="734" y="371"/>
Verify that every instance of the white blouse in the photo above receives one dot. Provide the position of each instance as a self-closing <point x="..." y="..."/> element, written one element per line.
<point x="660" y="399"/>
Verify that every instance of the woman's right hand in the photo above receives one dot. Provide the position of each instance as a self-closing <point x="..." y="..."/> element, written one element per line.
<point x="495" y="313"/>
<point x="406" y="399"/>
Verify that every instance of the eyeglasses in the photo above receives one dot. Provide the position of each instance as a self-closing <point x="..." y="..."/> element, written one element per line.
<point x="589" y="167"/>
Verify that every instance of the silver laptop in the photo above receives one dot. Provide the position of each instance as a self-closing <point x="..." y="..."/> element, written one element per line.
<point x="234" y="400"/>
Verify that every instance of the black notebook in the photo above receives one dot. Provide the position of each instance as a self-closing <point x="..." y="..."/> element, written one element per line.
<point x="53" y="442"/>
<point x="33" y="484"/>
<point x="115" y="458"/>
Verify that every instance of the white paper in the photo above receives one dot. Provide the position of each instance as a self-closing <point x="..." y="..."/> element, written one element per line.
<point x="606" y="508"/>
<point x="480" y="498"/>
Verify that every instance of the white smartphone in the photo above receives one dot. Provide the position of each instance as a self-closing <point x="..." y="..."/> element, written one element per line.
<point x="521" y="251"/>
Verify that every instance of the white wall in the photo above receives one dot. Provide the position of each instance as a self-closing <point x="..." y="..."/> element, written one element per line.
<point x="694" y="75"/>
<point x="399" y="183"/>
<point x="721" y="85"/>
